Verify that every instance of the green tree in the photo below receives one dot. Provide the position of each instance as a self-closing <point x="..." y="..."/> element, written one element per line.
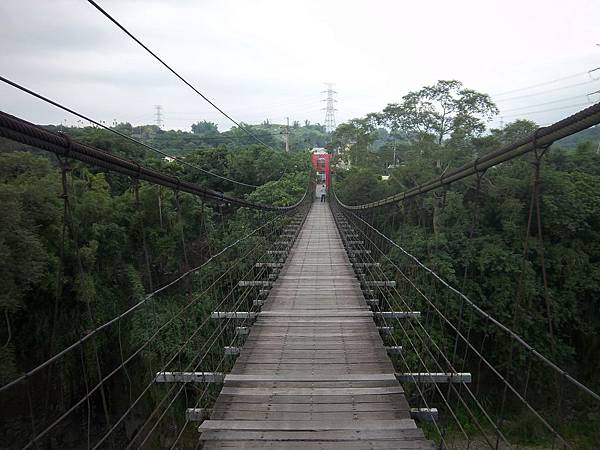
<point x="205" y="128"/>
<point x="444" y="110"/>
<point x="353" y="140"/>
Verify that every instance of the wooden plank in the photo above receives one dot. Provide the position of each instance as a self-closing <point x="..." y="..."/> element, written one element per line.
<point x="242" y="331"/>
<point x="231" y="351"/>
<point x="312" y="435"/>
<point x="308" y="425"/>
<point x="394" y="350"/>
<point x="381" y="283"/>
<point x="315" y="384"/>
<point x="424" y="414"/>
<point x="232" y="414"/>
<point x="323" y="320"/>
<point x="314" y="407"/>
<point x="372" y="444"/>
<point x="334" y="349"/>
<point x="313" y="372"/>
<point x="301" y="376"/>
<point x="307" y="400"/>
<point x="310" y="313"/>
<point x="295" y="349"/>
<point x="310" y="391"/>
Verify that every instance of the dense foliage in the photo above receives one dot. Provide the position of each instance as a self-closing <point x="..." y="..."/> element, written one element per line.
<point x="474" y="232"/>
<point x="65" y="271"/>
<point x="206" y="135"/>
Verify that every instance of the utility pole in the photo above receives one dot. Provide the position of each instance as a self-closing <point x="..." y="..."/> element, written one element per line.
<point x="329" y="109"/>
<point x="286" y="133"/>
<point x="158" y="116"/>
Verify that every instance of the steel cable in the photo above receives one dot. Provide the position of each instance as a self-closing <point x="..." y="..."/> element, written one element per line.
<point x="122" y="135"/>
<point x="542" y="137"/>
<point x="170" y="69"/>
<point x="61" y="144"/>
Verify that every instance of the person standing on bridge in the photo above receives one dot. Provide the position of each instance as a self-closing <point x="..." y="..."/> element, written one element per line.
<point x="323" y="192"/>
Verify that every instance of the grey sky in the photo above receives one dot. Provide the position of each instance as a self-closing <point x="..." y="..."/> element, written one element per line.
<point x="269" y="59"/>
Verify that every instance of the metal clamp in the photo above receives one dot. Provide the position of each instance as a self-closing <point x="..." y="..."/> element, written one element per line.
<point x="68" y="142"/>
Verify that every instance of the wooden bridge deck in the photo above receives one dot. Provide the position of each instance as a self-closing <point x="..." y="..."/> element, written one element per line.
<point x="313" y="372"/>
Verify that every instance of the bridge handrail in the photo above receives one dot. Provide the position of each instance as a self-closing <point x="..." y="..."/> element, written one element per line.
<point x="25" y="132"/>
<point x="132" y="308"/>
<point x="541" y="138"/>
<point x="478" y="309"/>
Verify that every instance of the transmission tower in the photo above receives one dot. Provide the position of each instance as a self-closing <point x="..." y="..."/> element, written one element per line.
<point x="158" y="115"/>
<point x="329" y="109"/>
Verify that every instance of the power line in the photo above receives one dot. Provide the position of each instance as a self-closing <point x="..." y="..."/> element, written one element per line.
<point x="118" y="133"/>
<point x="548" y="90"/>
<point x="545" y="83"/>
<point x="564" y="99"/>
<point x="561" y="108"/>
<point x="210" y="102"/>
<point x="224" y="136"/>
<point x="540" y="111"/>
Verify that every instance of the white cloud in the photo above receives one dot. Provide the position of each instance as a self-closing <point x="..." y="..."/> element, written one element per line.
<point x="270" y="58"/>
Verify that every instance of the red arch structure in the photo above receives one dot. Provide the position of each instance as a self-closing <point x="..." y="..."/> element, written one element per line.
<point x="322" y="163"/>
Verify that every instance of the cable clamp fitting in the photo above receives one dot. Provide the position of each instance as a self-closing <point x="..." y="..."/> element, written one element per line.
<point x="68" y="142"/>
<point x="138" y="171"/>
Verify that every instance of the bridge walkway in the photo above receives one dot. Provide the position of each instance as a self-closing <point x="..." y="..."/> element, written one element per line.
<point x="313" y="372"/>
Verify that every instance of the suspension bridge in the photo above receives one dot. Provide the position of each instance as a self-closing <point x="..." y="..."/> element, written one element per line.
<point x="293" y="326"/>
<point x="316" y="330"/>
<point x="313" y="371"/>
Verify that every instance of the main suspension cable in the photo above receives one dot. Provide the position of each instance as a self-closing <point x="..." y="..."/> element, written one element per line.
<point x="542" y="137"/>
<point x="118" y="133"/>
<point x="61" y="144"/>
<point x="174" y="72"/>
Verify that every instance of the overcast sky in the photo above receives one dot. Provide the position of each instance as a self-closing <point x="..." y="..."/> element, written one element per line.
<point x="270" y="59"/>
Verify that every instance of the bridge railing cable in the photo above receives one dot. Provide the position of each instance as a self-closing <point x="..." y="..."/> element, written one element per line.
<point x="103" y="381"/>
<point x="452" y="334"/>
<point x="61" y="144"/>
<point x="212" y="346"/>
<point x="214" y="289"/>
<point x="122" y="135"/>
<point x="420" y="355"/>
<point x="541" y="138"/>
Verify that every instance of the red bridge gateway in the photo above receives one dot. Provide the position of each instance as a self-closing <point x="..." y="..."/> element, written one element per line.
<point x="321" y="161"/>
